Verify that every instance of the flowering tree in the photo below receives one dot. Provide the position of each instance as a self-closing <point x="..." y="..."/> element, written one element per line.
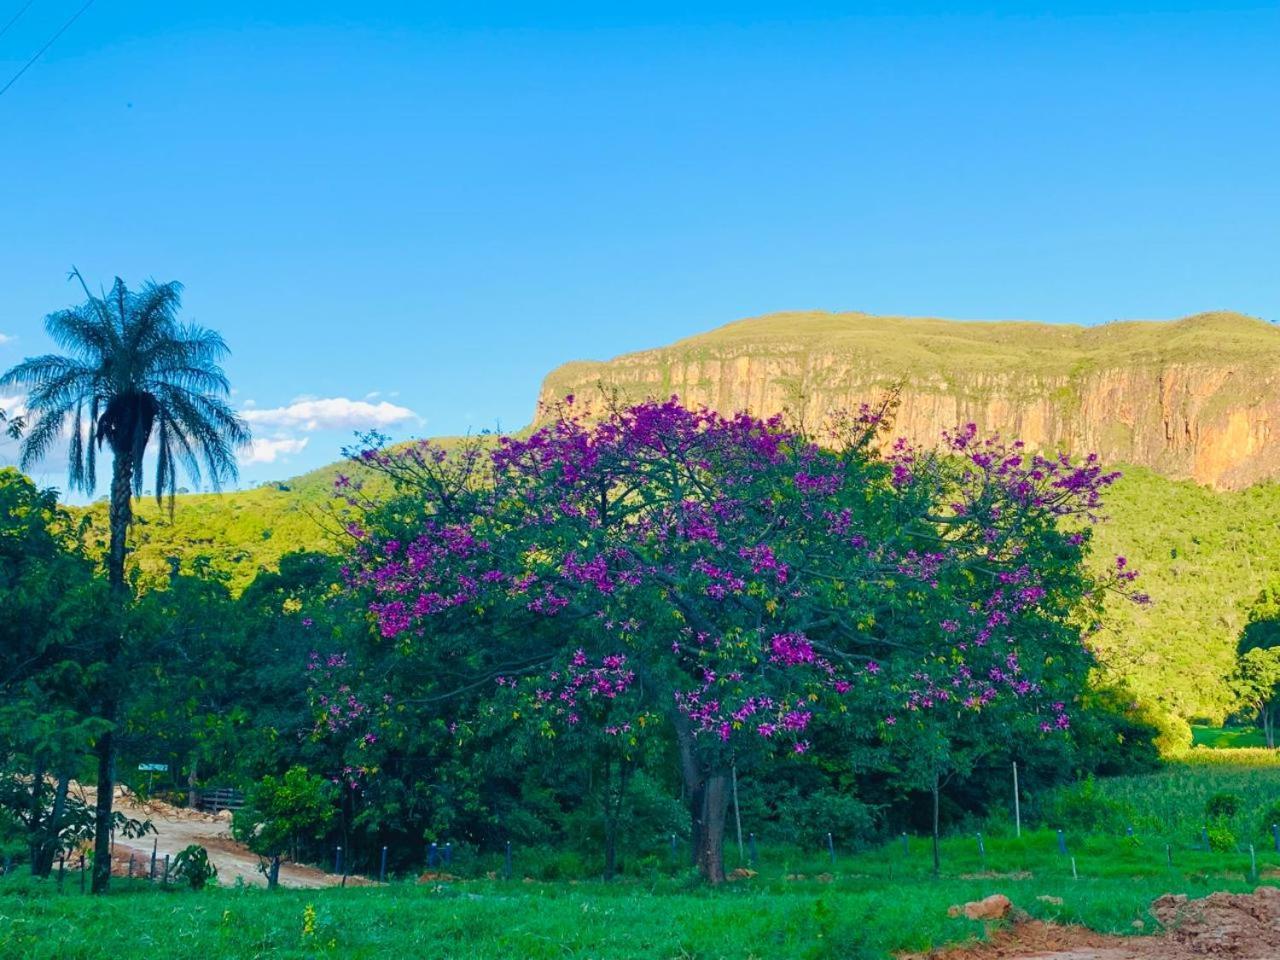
<point x="731" y="578"/>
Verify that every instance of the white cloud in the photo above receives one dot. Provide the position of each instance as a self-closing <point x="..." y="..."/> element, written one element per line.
<point x="330" y="413"/>
<point x="5" y="338"/>
<point x="268" y="451"/>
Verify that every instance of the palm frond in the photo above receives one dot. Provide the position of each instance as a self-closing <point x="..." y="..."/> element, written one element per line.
<point x="75" y="455"/>
<point x="36" y="370"/>
<point x="39" y="439"/>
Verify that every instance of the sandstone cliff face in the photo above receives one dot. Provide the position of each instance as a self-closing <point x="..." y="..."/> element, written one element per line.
<point x="1196" y="398"/>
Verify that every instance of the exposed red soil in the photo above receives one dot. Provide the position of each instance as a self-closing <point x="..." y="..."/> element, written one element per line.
<point x="1222" y="925"/>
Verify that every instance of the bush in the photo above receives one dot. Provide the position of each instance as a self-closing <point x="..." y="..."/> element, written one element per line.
<point x="849" y="821"/>
<point x="1221" y="837"/>
<point x="192" y="866"/>
<point x="280" y="812"/>
<point x="1082" y="807"/>
<point x="1222" y="806"/>
<point x="1173" y="735"/>
<point x="1270" y="816"/>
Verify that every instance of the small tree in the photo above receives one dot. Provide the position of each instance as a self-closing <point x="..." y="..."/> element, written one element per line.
<point x="1257" y="686"/>
<point x="193" y="867"/>
<point x="281" y="812"/>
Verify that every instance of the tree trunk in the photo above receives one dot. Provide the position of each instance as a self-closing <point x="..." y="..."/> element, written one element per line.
<point x="707" y="790"/>
<point x="712" y="798"/>
<point x="35" y="819"/>
<point x="193" y="793"/>
<point x="53" y="826"/>
<point x="937" y="858"/>
<point x="106" y="753"/>
<point x="1268" y="725"/>
<point x="121" y="516"/>
<point x="610" y="849"/>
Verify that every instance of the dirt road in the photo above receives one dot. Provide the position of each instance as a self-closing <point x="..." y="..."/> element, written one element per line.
<point x="179" y="827"/>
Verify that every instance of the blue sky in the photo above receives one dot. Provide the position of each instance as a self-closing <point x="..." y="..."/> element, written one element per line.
<point x="408" y="217"/>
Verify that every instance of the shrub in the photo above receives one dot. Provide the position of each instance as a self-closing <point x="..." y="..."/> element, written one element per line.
<point x="1173" y="735"/>
<point x="845" y="817"/>
<point x="192" y="866"/>
<point x="1222" y="806"/>
<point x="1270" y="816"/>
<point x="1082" y="807"/>
<point x="1221" y="837"/>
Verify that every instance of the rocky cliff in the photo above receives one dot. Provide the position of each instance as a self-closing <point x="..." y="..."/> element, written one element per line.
<point x="1193" y="398"/>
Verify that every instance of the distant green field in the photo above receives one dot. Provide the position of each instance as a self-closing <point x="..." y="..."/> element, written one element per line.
<point x="1226" y="737"/>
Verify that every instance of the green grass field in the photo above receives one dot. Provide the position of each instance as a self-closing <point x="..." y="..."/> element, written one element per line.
<point x="1226" y="738"/>
<point x="850" y="917"/>
<point x="797" y="905"/>
<point x="866" y="906"/>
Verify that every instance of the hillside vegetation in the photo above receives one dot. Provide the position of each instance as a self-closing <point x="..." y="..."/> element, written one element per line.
<point x="1161" y="391"/>
<point x="1203" y="556"/>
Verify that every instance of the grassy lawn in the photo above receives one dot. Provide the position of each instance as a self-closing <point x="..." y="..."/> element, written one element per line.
<point x="867" y="906"/>
<point x="848" y="917"/>
<point x="1226" y="737"/>
<point x="797" y="905"/>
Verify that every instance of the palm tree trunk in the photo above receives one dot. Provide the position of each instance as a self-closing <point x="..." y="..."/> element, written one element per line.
<point x="121" y="516"/>
<point x="105" y="749"/>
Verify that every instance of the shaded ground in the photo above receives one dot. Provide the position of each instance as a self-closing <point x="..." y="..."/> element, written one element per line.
<point x="179" y="827"/>
<point x="1223" y="925"/>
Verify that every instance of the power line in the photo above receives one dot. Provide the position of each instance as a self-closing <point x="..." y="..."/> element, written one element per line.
<point x="16" y="17"/>
<point x="39" y="53"/>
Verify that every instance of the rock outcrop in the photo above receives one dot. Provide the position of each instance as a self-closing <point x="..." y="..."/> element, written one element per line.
<point x="1194" y="398"/>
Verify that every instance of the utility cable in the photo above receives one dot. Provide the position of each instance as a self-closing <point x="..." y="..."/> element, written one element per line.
<point x="39" y="53"/>
<point x="16" y="17"/>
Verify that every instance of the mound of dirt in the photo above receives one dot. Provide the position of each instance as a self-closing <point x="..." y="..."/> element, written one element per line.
<point x="994" y="907"/>
<point x="1224" y="924"/>
<point x="1043" y="941"/>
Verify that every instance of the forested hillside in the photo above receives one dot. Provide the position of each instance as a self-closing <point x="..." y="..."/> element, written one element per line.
<point x="1204" y="556"/>
<point x="1187" y="398"/>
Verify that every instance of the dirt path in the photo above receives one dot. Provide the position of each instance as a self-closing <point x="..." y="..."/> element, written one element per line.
<point x="179" y="827"/>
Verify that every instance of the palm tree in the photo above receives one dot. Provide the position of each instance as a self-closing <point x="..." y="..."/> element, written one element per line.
<point x="132" y="377"/>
